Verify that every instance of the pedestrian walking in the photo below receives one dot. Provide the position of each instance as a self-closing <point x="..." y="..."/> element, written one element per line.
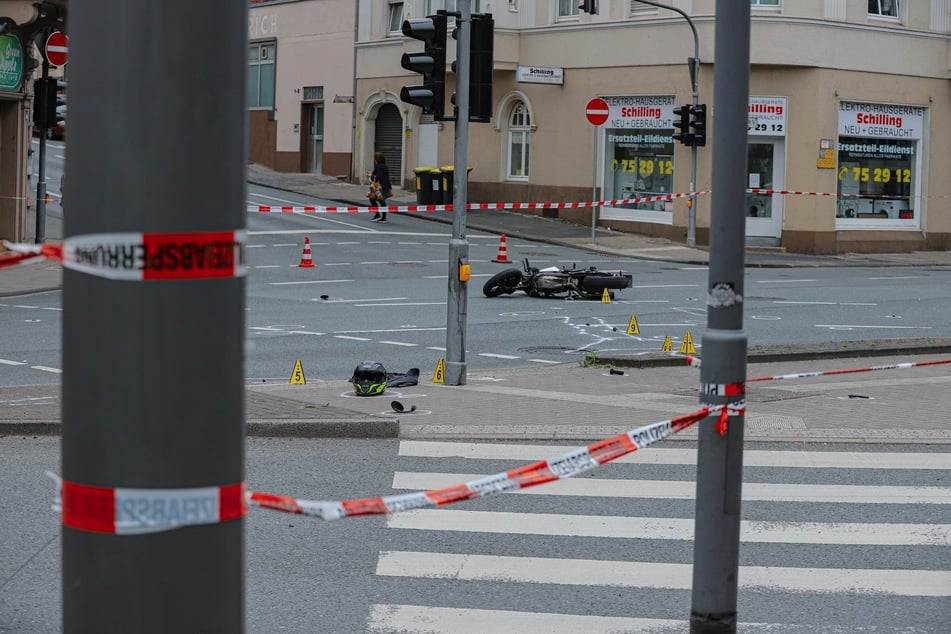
<point x="380" y="186"/>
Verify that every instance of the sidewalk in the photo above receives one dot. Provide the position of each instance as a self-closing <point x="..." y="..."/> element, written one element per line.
<point x="567" y="402"/>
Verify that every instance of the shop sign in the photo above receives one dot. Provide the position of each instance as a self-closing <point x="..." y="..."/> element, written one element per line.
<point x="646" y="112"/>
<point x="767" y="116"/>
<point x="11" y="62"/>
<point x="539" y="75"/>
<point x="881" y="120"/>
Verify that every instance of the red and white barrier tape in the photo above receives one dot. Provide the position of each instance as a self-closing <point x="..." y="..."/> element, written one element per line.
<point x="126" y="511"/>
<point x="566" y="465"/>
<point x="144" y="256"/>
<point x="694" y="362"/>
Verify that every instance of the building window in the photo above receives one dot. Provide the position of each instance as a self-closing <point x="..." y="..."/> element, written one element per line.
<point x="520" y="129"/>
<point x="261" y="75"/>
<point x="878" y="165"/>
<point x="764" y="3"/>
<point x="395" y="19"/>
<point x="639" y="8"/>
<point x="567" y="9"/>
<point x="884" y="8"/>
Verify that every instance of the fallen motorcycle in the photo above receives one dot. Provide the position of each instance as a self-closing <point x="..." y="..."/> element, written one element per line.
<point x="589" y="283"/>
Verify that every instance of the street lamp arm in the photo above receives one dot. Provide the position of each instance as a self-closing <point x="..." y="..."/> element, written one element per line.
<point x="696" y="39"/>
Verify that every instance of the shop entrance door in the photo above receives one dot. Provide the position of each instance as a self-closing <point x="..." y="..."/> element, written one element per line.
<point x="766" y="167"/>
<point x="314" y="147"/>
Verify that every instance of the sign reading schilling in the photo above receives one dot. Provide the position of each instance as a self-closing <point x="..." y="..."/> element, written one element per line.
<point x="11" y="62"/>
<point x="880" y="120"/>
<point x="540" y="75"/>
<point x="766" y="116"/>
<point x="642" y="112"/>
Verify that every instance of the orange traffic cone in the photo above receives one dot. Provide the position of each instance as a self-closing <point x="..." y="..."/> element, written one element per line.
<point x="305" y="260"/>
<point x="503" y="251"/>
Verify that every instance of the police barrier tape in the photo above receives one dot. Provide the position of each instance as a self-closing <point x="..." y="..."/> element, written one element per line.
<point x="694" y="362"/>
<point x="129" y="511"/>
<point x="566" y="465"/>
<point x="144" y="256"/>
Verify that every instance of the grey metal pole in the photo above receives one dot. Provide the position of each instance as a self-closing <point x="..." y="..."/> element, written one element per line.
<point x="594" y="184"/>
<point x="41" y="171"/>
<point x="153" y="371"/>
<point x="458" y="244"/>
<point x="723" y="373"/>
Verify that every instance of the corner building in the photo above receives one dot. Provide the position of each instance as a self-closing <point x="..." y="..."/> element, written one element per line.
<point x="850" y="104"/>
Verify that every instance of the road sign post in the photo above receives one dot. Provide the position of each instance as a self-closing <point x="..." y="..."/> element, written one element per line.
<point x="596" y="111"/>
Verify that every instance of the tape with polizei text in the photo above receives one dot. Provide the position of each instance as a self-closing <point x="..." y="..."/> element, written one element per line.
<point x="144" y="256"/>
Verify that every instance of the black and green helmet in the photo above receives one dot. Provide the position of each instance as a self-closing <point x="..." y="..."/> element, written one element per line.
<point x="369" y="378"/>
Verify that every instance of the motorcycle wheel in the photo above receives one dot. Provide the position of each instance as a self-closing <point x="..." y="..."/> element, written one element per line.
<point x="597" y="283"/>
<point x="506" y="281"/>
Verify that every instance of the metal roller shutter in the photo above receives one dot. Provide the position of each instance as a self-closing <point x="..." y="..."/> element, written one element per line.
<point x="389" y="140"/>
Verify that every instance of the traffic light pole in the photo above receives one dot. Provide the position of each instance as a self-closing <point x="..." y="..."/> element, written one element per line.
<point x="458" y="245"/>
<point x="723" y="373"/>
<point x="153" y="369"/>
<point x="40" y="237"/>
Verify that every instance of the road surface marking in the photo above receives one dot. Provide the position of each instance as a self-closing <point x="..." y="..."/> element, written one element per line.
<point x="44" y="368"/>
<point x="352" y="338"/>
<point x="309" y="282"/>
<point x="399" y="343"/>
<point x="498" y="356"/>
<point x="9" y="362"/>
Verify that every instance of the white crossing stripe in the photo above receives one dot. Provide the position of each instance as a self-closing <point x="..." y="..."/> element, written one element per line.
<point x="399" y="343"/>
<point x="669" y="528"/>
<point x="497" y="356"/>
<point x="683" y="490"/>
<point x="413" y="619"/>
<point x="661" y="456"/>
<point x="638" y="574"/>
<point x="10" y="362"/>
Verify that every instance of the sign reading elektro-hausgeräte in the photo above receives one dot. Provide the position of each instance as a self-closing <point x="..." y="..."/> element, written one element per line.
<point x="540" y="75"/>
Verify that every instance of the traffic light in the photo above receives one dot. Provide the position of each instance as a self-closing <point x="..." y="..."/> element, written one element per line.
<point x="481" y="41"/>
<point x="589" y="6"/>
<point x="44" y="102"/>
<point x="682" y="125"/>
<point x="481" y="44"/>
<point x="698" y="124"/>
<point x="431" y="64"/>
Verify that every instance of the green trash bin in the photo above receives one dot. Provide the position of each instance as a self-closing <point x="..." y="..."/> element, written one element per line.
<point x="428" y="186"/>
<point x="448" y="172"/>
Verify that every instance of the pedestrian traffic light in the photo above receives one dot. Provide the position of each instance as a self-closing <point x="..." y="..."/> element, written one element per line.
<point x="589" y="6"/>
<point x="698" y="124"/>
<point x="44" y="102"/>
<point x="431" y="64"/>
<point x="682" y="125"/>
<point x="481" y="44"/>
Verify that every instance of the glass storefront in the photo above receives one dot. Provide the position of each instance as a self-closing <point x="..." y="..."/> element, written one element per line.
<point x="639" y="157"/>
<point x="878" y="159"/>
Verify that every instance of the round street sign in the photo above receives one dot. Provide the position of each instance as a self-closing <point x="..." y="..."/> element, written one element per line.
<point x="597" y="111"/>
<point x="57" y="48"/>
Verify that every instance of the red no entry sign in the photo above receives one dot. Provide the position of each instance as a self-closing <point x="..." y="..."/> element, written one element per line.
<point x="597" y="111"/>
<point x="57" y="48"/>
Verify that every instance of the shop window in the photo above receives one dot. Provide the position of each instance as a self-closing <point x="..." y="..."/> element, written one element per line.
<point x="884" y="8"/>
<point x="567" y="9"/>
<point x="395" y="18"/>
<point x="261" y="74"/>
<point x="519" y="142"/>
<point x="876" y="178"/>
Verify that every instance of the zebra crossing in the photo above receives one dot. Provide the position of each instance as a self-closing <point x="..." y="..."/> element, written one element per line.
<point x="833" y="540"/>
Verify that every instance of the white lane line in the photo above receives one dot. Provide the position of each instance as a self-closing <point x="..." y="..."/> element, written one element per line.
<point x="256" y="246"/>
<point x="824" y="303"/>
<point x="308" y="282"/>
<point x="498" y="356"/>
<point x="24" y="306"/>
<point x="306" y="332"/>
<point x="402" y="304"/>
<point x="336" y="263"/>
<point x="544" y="361"/>
<point x="616" y="527"/>
<point x="661" y="456"/>
<point x="345" y="332"/>
<point x="340" y="243"/>
<point x="414" y="619"/>
<point x="408" y="262"/>
<point x="399" y="343"/>
<point x="45" y="368"/>
<point x="9" y="362"/>
<point x="285" y="244"/>
<point x="899" y="277"/>
<point x="782" y="281"/>
<point x="379" y="262"/>
<point x="694" y="268"/>
<point x="268" y="266"/>
<point x="683" y="490"/>
<point x="352" y="338"/>
<point x="401" y="242"/>
<point x="873" y="327"/>
<point x="436" y="348"/>
<point x="639" y="574"/>
<point x="378" y="241"/>
<point x="666" y="286"/>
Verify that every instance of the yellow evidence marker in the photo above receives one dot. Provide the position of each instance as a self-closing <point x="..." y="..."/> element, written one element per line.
<point x="605" y="297"/>
<point x="297" y="376"/>
<point x="668" y="345"/>
<point x="439" y="376"/>
<point x="632" y="327"/>
<point x="687" y="346"/>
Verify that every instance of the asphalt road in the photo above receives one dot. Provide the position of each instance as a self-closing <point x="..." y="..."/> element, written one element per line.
<point x="835" y="539"/>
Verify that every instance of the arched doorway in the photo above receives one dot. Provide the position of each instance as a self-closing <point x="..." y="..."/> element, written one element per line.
<point x="388" y="138"/>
